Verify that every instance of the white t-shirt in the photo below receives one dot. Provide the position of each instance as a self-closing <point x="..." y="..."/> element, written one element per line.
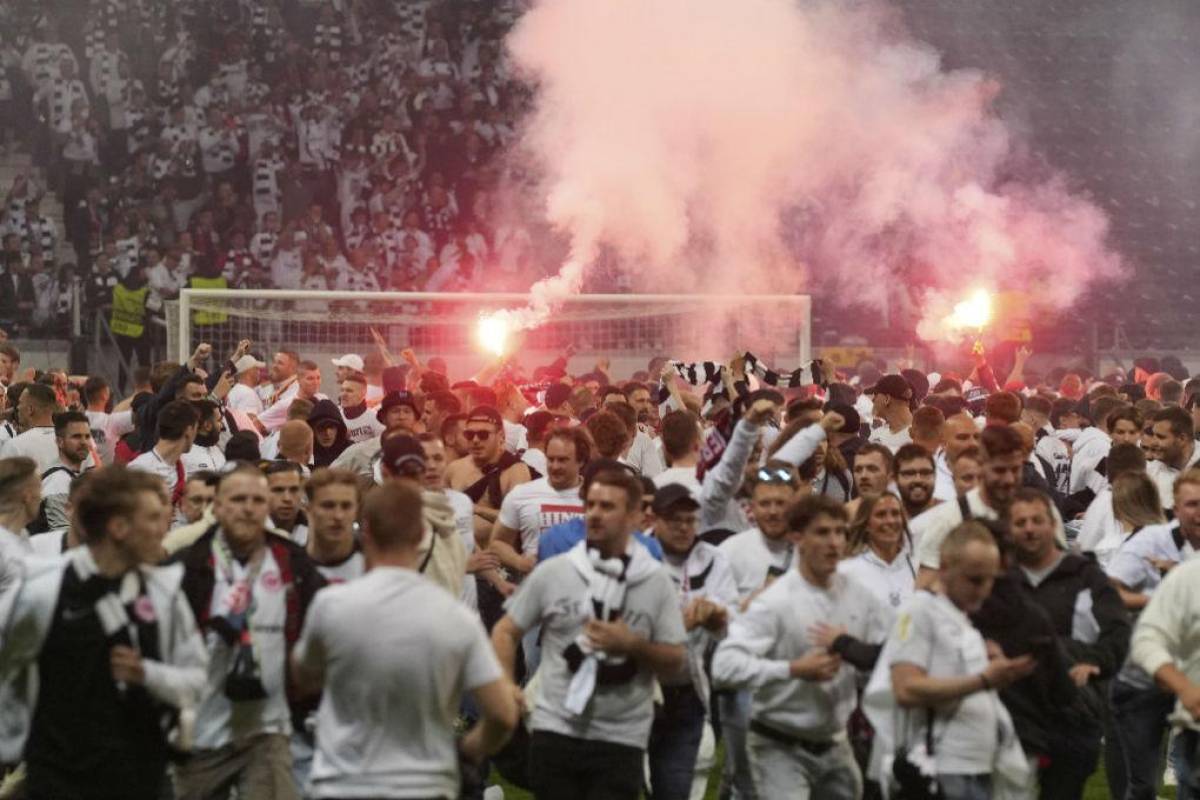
<point x="363" y="427"/>
<point x="684" y="476"/>
<point x="534" y="507"/>
<point x="931" y="633"/>
<point x="202" y="458"/>
<point x="107" y="430"/>
<point x="892" y="441"/>
<point x="752" y="556"/>
<point x="36" y="443"/>
<point x="515" y="437"/>
<point x="931" y="528"/>
<point x="243" y="398"/>
<point x="393" y="683"/>
<point x="535" y="459"/>
<point x="349" y="568"/>
<point x="152" y="462"/>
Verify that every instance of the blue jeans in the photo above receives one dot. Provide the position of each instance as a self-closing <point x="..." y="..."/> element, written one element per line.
<point x="966" y="787"/>
<point x="1140" y="719"/>
<point x="674" y="743"/>
<point x="1186" y="758"/>
<point x="736" y="781"/>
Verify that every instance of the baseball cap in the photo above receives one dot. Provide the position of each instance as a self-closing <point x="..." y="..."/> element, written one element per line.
<point x="486" y="414"/>
<point x="247" y="362"/>
<point x="671" y="497"/>
<point x="400" y="450"/>
<point x="349" y="361"/>
<point x="892" y="386"/>
<point x="393" y="399"/>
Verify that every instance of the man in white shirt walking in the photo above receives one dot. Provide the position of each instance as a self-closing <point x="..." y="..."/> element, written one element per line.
<point x="533" y="508"/>
<point x="610" y="625"/>
<point x="681" y="440"/>
<point x="802" y="693"/>
<point x="417" y="672"/>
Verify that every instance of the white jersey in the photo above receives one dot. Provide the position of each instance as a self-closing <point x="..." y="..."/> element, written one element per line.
<point x="36" y="443"/>
<point x="892" y="441"/>
<point x="753" y="557"/>
<point x="201" y="459"/>
<point x="362" y="427"/>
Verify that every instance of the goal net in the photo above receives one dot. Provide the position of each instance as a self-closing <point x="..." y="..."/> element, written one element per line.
<point x="626" y="329"/>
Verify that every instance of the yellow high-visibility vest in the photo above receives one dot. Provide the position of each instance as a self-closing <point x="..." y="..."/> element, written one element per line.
<point x="209" y="317"/>
<point x="128" y="311"/>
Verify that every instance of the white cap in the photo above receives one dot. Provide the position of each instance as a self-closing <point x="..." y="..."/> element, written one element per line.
<point x="247" y="362"/>
<point x="350" y="361"/>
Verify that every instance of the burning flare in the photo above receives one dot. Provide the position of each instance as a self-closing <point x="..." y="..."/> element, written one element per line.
<point x="974" y="312"/>
<point x="492" y="332"/>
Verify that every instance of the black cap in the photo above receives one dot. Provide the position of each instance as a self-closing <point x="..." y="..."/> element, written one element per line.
<point x="673" y="496"/>
<point x="400" y="450"/>
<point x="893" y="386"/>
<point x="486" y="414"/>
<point x="393" y="399"/>
<point x="849" y="413"/>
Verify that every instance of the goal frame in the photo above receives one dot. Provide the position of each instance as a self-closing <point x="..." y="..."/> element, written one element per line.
<point x="185" y="345"/>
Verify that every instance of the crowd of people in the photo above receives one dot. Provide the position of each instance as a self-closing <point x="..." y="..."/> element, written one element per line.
<point x="859" y="582"/>
<point x="255" y="144"/>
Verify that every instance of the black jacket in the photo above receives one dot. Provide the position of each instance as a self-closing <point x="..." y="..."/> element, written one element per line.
<point x="1090" y="621"/>
<point x="1039" y="704"/>
<point x="325" y="410"/>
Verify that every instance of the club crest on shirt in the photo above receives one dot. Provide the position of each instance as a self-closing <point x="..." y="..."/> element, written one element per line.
<point x="271" y="582"/>
<point x="143" y="609"/>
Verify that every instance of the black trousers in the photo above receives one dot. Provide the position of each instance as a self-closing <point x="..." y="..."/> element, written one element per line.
<point x="566" y="768"/>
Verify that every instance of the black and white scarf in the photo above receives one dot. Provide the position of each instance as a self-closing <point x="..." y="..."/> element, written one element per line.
<point x="699" y="373"/>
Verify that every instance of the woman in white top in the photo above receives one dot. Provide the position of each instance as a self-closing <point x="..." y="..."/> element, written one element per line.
<point x="1135" y="504"/>
<point x="881" y="550"/>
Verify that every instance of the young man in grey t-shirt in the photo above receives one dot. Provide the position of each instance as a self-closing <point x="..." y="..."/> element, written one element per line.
<point x="610" y="624"/>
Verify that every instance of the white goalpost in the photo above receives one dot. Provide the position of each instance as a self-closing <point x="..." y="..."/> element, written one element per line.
<point x="627" y="329"/>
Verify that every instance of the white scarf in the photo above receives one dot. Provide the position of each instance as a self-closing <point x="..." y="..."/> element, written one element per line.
<point x="607" y="579"/>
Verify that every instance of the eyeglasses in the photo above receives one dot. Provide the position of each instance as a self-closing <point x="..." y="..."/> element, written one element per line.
<point x="775" y="475"/>
<point x="915" y="473"/>
<point x="482" y="436"/>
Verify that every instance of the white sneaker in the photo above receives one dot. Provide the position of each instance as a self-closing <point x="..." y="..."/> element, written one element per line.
<point x="493" y="793"/>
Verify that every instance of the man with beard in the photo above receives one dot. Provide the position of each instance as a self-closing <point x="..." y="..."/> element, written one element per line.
<point x="73" y="434"/>
<point x="914" y="473"/>
<point x="1174" y="449"/>
<point x="707" y="592"/>
<point x="1003" y="465"/>
<point x="306" y="386"/>
<point x="610" y="625"/>
<point x="205" y="454"/>
<point x="486" y="476"/>
<point x="281" y="379"/>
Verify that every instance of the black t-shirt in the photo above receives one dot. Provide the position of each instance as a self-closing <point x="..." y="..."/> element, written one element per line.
<point x="89" y="741"/>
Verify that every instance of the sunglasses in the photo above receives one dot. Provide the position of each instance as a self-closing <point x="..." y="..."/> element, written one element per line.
<point x="776" y="475"/>
<point x="472" y="436"/>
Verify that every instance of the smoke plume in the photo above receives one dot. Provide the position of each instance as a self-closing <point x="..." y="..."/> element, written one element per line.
<point x="766" y="146"/>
